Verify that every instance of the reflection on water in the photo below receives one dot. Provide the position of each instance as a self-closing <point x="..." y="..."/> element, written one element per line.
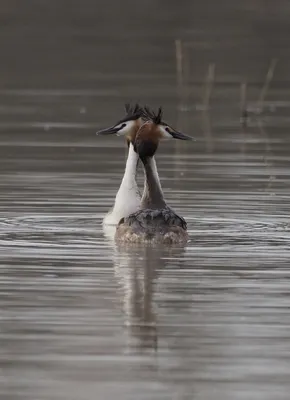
<point x="137" y="268"/>
<point x="84" y="318"/>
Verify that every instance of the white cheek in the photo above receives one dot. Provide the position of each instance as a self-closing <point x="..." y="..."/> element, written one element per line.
<point x="165" y="134"/>
<point x="127" y="129"/>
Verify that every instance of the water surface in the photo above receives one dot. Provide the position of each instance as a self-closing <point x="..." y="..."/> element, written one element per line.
<point x="83" y="318"/>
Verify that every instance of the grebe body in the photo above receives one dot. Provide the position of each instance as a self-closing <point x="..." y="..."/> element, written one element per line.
<point x="154" y="222"/>
<point x="153" y="226"/>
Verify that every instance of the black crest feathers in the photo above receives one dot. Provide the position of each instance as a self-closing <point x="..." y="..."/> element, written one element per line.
<point x="150" y="114"/>
<point x="133" y="112"/>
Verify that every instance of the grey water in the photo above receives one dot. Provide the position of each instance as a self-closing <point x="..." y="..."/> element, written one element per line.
<point x="83" y="318"/>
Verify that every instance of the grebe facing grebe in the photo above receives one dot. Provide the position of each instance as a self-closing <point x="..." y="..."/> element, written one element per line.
<point x="128" y="197"/>
<point x="155" y="222"/>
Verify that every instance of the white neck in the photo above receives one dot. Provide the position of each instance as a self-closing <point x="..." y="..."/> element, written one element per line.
<point x="129" y="177"/>
<point x="127" y="199"/>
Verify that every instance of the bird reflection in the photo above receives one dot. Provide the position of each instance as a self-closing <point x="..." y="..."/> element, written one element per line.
<point x="137" y="268"/>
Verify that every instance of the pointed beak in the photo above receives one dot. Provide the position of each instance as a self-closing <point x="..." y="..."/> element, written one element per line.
<point x="109" y="131"/>
<point x="181" y="136"/>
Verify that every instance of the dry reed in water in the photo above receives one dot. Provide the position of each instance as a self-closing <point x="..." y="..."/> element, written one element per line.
<point x="208" y="85"/>
<point x="266" y="85"/>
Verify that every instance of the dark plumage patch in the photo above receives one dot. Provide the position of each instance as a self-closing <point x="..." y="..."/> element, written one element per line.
<point x="133" y="112"/>
<point x="145" y="148"/>
<point x="162" y="220"/>
<point x="149" y="114"/>
<point x="153" y="226"/>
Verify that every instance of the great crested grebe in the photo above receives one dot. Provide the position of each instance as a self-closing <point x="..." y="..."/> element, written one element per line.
<point x="128" y="197"/>
<point x="155" y="221"/>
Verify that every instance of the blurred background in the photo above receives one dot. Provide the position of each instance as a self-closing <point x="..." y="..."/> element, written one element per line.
<point x="84" y="319"/>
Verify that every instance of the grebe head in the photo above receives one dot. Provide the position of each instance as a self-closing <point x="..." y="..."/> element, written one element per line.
<point x="162" y="129"/>
<point x="152" y="131"/>
<point x="127" y="126"/>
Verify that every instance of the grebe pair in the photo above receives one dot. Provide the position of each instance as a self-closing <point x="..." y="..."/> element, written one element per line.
<point x="146" y="218"/>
